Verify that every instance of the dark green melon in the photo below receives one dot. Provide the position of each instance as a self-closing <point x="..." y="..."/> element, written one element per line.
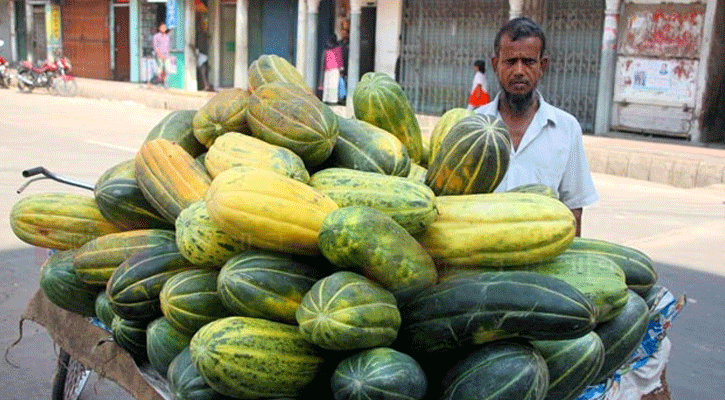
<point x="130" y="336"/>
<point x="104" y="312"/>
<point x="381" y="373"/>
<point x="60" y="284"/>
<point x="186" y="383"/>
<point x="498" y="371"/>
<point x="163" y="343"/>
<point x="468" y="309"/>
<point x="133" y="289"/>
<point x="573" y="364"/>
<point x="622" y="335"/>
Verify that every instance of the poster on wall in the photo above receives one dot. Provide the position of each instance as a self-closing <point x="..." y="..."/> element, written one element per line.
<point x="667" y="82"/>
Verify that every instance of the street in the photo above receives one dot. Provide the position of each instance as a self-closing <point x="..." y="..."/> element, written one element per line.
<point x="683" y="230"/>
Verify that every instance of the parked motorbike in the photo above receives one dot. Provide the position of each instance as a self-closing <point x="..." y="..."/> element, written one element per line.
<point x="55" y="76"/>
<point x="4" y="70"/>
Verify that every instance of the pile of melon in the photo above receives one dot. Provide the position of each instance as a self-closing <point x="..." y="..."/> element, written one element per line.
<point x="265" y="247"/>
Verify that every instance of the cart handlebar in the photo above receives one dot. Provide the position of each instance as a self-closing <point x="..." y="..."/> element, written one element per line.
<point x="49" y="175"/>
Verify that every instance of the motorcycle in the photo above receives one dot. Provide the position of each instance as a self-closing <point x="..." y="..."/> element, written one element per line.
<point x="55" y="76"/>
<point x="4" y="70"/>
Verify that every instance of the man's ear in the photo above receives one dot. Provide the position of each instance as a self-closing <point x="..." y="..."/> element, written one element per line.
<point x="544" y="63"/>
<point x="494" y="64"/>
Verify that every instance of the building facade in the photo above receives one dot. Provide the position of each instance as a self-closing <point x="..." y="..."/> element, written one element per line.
<point x="644" y="66"/>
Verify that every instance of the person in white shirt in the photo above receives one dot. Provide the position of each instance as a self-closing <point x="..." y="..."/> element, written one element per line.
<point x="479" y="88"/>
<point x="546" y="141"/>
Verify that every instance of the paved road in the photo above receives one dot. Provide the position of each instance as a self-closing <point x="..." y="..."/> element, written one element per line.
<point x="683" y="230"/>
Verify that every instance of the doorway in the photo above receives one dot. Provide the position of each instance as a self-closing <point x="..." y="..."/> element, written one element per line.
<point x="39" y="47"/>
<point x="122" y="56"/>
<point x="367" y="40"/>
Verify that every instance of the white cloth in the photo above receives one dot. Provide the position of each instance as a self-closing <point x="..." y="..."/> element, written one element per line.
<point x="551" y="152"/>
<point x="479" y="79"/>
<point x="330" y="83"/>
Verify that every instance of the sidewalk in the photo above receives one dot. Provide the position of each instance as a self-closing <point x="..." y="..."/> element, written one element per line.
<point x="635" y="156"/>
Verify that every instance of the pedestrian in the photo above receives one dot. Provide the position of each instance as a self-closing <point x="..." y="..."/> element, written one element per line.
<point x="479" y="89"/>
<point x="332" y="66"/>
<point x="547" y="144"/>
<point x="161" y="43"/>
<point x="202" y="63"/>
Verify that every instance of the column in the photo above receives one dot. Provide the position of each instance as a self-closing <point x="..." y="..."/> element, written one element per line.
<point x="301" y="36"/>
<point x="311" y="60"/>
<point x="214" y="42"/>
<point x="353" y="59"/>
<point x="134" y="40"/>
<point x="241" y="45"/>
<point x="13" y="37"/>
<point x="190" y="46"/>
<point x="607" y="64"/>
<point x="29" y="30"/>
<point x="516" y="8"/>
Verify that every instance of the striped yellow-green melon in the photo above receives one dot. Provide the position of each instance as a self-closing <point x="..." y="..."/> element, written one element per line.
<point x="286" y="115"/>
<point x="225" y="112"/>
<point x="273" y="68"/>
<point x="379" y="100"/>
<point x="498" y="229"/>
<point x="443" y="126"/>
<point x="253" y="358"/>
<point x="268" y="210"/>
<point x="233" y="149"/>
<point x="59" y="221"/>
<point x="202" y="242"/>
<point x="472" y="158"/>
<point x="169" y="178"/>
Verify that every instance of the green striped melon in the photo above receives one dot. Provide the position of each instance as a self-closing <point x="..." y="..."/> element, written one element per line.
<point x="130" y="335"/>
<point x="189" y="300"/>
<point x="497" y="371"/>
<point x="346" y="311"/>
<point x="573" y="364"/>
<point x="273" y="68"/>
<point x="177" y="127"/>
<point x="201" y="241"/>
<point x="253" y="358"/>
<point x="365" y="147"/>
<point x="164" y="343"/>
<point x="379" y="373"/>
<point x="224" y="112"/>
<point x="443" y="126"/>
<point x="472" y="158"/>
<point x="265" y="284"/>
<point x="286" y="115"/>
<point x="185" y="382"/>
<point x="60" y="284"/>
<point x="379" y="100"/>
<point x="409" y="203"/>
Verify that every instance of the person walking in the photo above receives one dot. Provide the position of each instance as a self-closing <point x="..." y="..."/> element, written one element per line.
<point x="547" y="144"/>
<point x="333" y="65"/>
<point x="479" y="89"/>
<point x="161" y="44"/>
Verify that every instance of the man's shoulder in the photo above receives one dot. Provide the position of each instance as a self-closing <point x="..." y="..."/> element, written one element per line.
<point x="560" y="117"/>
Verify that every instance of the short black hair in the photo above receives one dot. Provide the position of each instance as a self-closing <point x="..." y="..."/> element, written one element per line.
<point x="481" y="65"/>
<point x="517" y="28"/>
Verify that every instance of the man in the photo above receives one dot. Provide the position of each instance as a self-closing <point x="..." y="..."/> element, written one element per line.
<point x="546" y="141"/>
<point x="161" y="43"/>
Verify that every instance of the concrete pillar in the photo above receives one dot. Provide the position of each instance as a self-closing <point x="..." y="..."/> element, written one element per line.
<point x="353" y="59"/>
<point x="214" y="42"/>
<point x="13" y="37"/>
<point x="190" y="46"/>
<point x="29" y="30"/>
<point x="708" y="34"/>
<point x="134" y="40"/>
<point x="241" y="46"/>
<point x="389" y="21"/>
<point x="516" y="8"/>
<point x="607" y="64"/>
<point x="301" y="36"/>
<point x="311" y="59"/>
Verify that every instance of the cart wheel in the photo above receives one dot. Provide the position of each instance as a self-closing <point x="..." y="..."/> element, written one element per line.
<point x="70" y="378"/>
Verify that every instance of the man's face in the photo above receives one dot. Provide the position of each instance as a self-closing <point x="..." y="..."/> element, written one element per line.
<point x="518" y="65"/>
